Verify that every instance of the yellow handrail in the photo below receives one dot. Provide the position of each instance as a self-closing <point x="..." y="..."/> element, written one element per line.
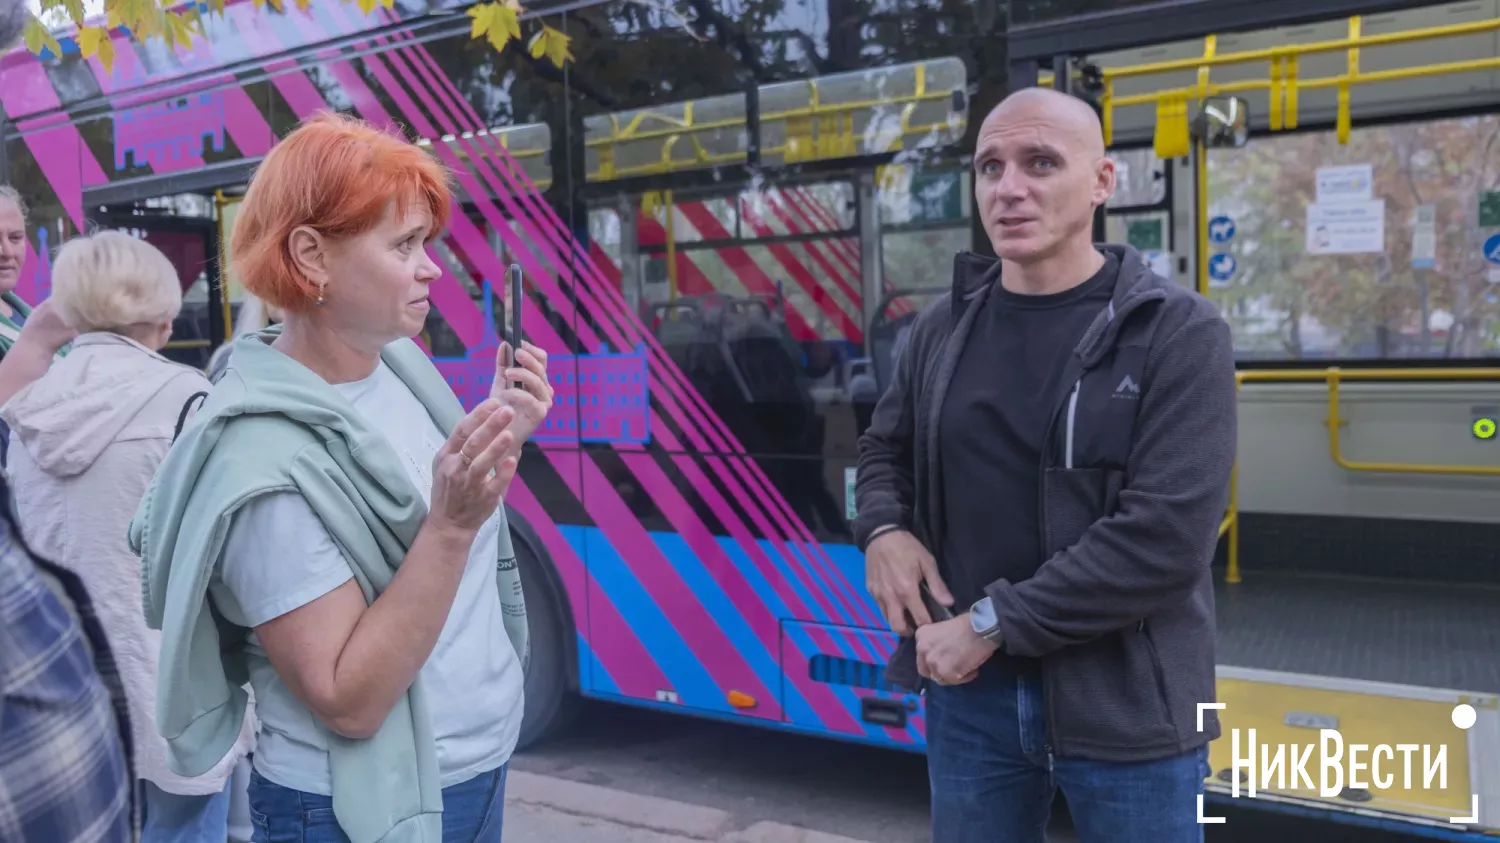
<point x="1332" y="377"/>
<point x="608" y="170"/>
<point x="1283" y="81"/>
<point x="1248" y="56"/>
<point x="813" y="131"/>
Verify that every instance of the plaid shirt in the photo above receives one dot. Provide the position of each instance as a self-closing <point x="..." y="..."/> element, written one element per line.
<point x="65" y="754"/>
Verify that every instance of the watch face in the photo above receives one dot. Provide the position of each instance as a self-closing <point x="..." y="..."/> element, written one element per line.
<point x="981" y="616"/>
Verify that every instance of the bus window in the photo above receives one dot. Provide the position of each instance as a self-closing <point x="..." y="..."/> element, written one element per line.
<point x="924" y="222"/>
<point x="1404" y="277"/>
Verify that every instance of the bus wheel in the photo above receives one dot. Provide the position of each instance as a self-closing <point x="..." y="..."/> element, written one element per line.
<point x="552" y="672"/>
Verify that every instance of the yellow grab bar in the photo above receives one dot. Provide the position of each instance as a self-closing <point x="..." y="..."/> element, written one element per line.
<point x="1247" y="56"/>
<point x="1332" y="377"/>
<point x="1282" y="80"/>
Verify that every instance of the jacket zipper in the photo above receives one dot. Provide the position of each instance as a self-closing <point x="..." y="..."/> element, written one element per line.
<point x="1072" y="414"/>
<point x="1072" y="408"/>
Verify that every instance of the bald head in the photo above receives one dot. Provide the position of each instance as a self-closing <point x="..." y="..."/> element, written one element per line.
<point x="1072" y="118"/>
<point x="1040" y="170"/>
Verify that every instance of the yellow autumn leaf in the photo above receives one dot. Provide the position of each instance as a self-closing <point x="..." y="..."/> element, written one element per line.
<point x="75" y="9"/>
<point x="515" y="6"/>
<point x="38" y="38"/>
<point x="217" y="5"/>
<point x="120" y="13"/>
<point x="507" y="17"/>
<point x="278" y="6"/>
<point x="302" y="5"/>
<point x="88" y="41"/>
<point x="482" y="20"/>
<point x="553" y="44"/>
<point x="106" y="51"/>
<point x="502" y="26"/>
<point x="182" y="30"/>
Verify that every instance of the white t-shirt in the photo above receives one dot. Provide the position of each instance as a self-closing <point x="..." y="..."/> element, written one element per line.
<point x="278" y="557"/>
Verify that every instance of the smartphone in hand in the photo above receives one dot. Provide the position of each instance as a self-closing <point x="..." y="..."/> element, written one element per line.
<point x="514" y="297"/>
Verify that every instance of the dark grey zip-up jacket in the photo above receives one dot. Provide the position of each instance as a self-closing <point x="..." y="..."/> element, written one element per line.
<point x="1134" y="484"/>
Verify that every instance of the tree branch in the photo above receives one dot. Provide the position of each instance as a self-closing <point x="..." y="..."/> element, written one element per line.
<point x="729" y="33"/>
<point x="671" y="12"/>
<point x="574" y="81"/>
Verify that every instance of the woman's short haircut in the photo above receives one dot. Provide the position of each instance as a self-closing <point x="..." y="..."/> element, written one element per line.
<point x="111" y="281"/>
<point x="13" y="196"/>
<point x="336" y="175"/>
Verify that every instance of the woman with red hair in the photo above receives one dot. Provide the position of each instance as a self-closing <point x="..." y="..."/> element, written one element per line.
<point x="328" y="526"/>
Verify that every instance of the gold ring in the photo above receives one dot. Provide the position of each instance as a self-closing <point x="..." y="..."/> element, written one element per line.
<point x="468" y="460"/>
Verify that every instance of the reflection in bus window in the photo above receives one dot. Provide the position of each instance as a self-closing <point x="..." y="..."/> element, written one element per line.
<point x="1140" y="178"/>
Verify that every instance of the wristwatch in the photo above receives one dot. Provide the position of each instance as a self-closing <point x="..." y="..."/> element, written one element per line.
<point x="983" y="621"/>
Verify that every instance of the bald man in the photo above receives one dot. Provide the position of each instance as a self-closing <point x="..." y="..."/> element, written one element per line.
<point x="1039" y="496"/>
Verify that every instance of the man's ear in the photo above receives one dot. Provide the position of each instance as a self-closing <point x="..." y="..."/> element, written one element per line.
<point x="309" y="252"/>
<point x="1105" y="175"/>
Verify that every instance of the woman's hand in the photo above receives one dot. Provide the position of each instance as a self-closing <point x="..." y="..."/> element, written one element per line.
<point x="41" y="337"/>
<point x="473" y="468"/>
<point x="46" y="330"/>
<point x="532" y="400"/>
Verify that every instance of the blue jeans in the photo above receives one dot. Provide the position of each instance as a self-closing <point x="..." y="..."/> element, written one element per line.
<point x="472" y="812"/>
<point x="175" y="818"/>
<point x="991" y="781"/>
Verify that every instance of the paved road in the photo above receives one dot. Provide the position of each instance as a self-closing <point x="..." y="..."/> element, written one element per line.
<point x="624" y="775"/>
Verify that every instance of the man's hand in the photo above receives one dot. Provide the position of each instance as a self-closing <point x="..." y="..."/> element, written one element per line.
<point x="895" y="566"/>
<point x="950" y="652"/>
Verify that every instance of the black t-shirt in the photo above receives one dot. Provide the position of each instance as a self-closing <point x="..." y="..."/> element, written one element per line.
<point x="993" y="422"/>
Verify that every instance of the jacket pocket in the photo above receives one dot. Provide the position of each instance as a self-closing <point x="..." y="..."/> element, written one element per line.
<point x="1072" y="500"/>
<point x="1110" y="693"/>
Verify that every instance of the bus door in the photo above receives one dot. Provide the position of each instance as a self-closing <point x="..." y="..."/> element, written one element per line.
<point x="745" y="233"/>
<point x="1343" y="187"/>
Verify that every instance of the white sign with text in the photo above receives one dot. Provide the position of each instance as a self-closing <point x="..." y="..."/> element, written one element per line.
<point x="1346" y="228"/>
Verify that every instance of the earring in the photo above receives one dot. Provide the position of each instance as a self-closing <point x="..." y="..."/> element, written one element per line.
<point x="319" y="303"/>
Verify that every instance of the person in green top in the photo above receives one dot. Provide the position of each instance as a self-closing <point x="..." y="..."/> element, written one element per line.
<point x="30" y="338"/>
<point x="13" y="311"/>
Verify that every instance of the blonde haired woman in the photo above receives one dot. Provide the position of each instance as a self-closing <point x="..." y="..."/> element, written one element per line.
<point x="86" y="439"/>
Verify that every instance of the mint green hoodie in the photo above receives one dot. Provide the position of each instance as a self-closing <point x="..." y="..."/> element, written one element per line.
<point x="271" y="424"/>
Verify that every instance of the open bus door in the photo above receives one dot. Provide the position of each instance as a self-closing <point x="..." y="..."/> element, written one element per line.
<point x="1187" y="89"/>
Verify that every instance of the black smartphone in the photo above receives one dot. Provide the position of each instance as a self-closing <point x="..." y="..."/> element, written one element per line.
<point x="937" y="611"/>
<point x="514" y="297"/>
